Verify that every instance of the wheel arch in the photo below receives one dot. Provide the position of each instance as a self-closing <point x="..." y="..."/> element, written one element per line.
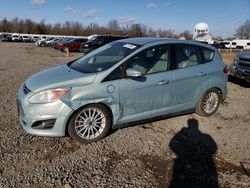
<point x="84" y="106"/>
<point x="205" y="91"/>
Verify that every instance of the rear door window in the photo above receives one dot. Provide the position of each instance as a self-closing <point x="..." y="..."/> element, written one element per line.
<point x="187" y="55"/>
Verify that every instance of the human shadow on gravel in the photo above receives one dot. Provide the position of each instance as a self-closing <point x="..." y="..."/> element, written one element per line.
<point x="194" y="166"/>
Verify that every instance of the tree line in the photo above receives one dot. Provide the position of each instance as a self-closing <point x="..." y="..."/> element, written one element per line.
<point x="29" y="26"/>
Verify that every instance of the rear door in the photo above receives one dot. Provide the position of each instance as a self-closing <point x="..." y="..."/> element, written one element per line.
<point x="191" y="77"/>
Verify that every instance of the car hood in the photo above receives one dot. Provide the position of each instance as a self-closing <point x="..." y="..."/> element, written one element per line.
<point x="58" y="77"/>
<point x="245" y="55"/>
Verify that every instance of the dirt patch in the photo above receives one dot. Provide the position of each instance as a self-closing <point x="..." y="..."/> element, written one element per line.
<point x="228" y="57"/>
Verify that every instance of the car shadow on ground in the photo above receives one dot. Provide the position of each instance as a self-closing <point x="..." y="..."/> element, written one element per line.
<point x="193" y="165"/>
<point x="238" y="81"/>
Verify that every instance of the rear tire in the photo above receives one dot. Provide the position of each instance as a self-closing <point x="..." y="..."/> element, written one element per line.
<point x="90" y="124"/>
<point x="209" y="103"/>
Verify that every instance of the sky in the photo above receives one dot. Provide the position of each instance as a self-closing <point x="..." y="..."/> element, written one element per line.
<point x="222" y="16"/>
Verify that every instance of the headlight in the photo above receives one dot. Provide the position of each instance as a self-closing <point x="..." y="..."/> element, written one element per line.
<point x="86" y="45"/>
<point x="47" y="96"/>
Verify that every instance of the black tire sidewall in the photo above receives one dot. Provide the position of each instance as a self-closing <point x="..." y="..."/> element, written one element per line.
<point x="75" y="136"/>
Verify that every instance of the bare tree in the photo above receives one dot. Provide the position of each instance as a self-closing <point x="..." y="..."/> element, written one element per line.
<point x="40" y="28"/>
<point x="113" y="25"/>
<point x="5" y="25"/>
<point x="151" y="32"/>
<point x="243" y="31"/>
<point x="29" y="26"/>
<point x="137" y="30"/>
<point x="186" y="34"/>
<point x="169" y="33"/>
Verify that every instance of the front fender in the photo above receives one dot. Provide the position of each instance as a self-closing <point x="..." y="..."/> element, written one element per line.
<point x="93" y="94"/>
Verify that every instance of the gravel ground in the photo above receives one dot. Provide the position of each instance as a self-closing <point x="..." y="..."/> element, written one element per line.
<point x="183" y="151"/>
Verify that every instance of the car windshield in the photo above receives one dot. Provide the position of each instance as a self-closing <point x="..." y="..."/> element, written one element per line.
<point x="104" y="57"/>
<point x="68" y="40"/>
<point x="92" y="39"/>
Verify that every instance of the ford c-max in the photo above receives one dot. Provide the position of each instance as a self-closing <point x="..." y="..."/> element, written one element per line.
<point x="124" y="81"/>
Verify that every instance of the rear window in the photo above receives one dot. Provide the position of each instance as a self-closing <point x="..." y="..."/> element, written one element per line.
<point x="208" y="54"/>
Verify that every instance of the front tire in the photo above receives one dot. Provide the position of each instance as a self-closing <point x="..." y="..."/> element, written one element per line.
<point x="90" y="124"/>
<point x="209" y="103"/>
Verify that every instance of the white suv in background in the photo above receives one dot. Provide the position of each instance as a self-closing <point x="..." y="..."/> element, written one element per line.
<point x="15" y="37"/>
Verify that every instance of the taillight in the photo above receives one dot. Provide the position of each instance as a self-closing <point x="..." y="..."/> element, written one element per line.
<point x="226" y="69"/>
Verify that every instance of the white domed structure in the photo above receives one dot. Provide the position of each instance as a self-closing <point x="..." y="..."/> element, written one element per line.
<point x="201" y="33"/>
<point x="201" y="28"/>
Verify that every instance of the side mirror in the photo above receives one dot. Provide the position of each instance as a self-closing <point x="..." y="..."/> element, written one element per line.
<point x="133" y="73"/>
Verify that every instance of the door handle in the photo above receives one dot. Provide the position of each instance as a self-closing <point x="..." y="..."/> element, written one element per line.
<point x="202" y="74"/>
<point x="163" y="82"/>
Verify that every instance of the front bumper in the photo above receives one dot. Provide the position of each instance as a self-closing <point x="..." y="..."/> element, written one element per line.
<point x="240" y="72"/>
<point x="29" y="114"/>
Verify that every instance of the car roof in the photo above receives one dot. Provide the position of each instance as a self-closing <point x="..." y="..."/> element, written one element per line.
<point x="155" y="41"/>
<point x="142" y="41"/>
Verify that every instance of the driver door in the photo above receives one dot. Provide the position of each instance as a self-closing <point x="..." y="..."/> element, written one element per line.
<point x="150" y="94"/>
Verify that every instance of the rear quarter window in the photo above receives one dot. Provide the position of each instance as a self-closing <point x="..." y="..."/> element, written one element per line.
<point x="208" y="54"/>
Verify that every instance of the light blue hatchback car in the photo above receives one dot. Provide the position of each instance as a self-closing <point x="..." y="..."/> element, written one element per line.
<point x="122" y="82"/>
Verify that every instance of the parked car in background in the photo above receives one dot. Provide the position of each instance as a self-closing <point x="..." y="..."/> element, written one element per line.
<point x="72" y="45"/>
<point x="98" y="41"/>
<point x="6" y="37"/>
<point x="45" y="42"/>
<point x="204" y="42"/>
<point x="56" y="45"/>
<point x="43" y="37"/>
<point x="15" y="38"/>
<point x="25" y="38"/>
<point x="122" y="82"/>
<point x="34" y="39"/>
<point x="219" y="45"/>
<point x="40" y="41"/>
<point x="52" y="42"/>
<point x="241" y="66"/>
